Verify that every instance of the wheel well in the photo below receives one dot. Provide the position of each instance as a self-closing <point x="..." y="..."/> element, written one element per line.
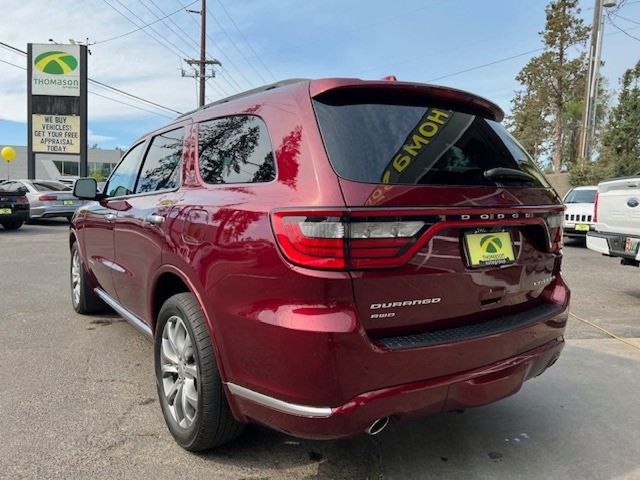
<point x="72" y="240"/>
<point x="167" y="285"/>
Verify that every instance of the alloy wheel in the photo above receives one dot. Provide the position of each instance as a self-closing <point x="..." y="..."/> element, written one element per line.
<point x="179" y="372"/>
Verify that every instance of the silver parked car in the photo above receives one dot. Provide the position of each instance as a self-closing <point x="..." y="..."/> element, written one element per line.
<point x="47" y="198"/>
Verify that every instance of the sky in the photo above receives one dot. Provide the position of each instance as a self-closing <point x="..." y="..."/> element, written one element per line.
<point x="458" y="43"/>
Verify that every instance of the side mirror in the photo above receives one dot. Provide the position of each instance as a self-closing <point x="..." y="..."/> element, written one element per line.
<point x="85" y="188"/>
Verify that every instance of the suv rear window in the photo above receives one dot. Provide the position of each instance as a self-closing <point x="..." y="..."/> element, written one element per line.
<point x="417" y="144"/>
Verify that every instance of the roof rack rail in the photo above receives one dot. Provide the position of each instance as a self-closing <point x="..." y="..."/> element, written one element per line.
<point x="248" y="93"/>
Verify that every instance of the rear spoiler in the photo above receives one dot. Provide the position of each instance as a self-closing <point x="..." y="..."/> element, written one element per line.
<point x="454" y="96"/>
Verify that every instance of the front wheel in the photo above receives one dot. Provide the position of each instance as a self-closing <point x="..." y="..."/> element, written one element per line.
<point x="193" y="402"/>
<point x="83" y="298"/>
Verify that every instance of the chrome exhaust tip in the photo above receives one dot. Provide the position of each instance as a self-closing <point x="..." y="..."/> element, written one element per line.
<point x="377" y="426"/>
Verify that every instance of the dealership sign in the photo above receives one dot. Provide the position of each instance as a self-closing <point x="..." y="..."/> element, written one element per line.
<point x="55" y="70"/>
<point x="56" y="134"/>
<point x="56" y="103"/>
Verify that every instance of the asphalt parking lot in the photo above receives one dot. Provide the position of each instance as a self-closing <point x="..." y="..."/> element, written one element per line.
<point x="77" y="395"/>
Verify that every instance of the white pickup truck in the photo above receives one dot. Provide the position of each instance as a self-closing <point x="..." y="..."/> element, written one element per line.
<point x="617" y="219"/>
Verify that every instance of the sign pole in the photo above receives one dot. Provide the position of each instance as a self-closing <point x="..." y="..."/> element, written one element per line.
<point x="31" y="157"/>
<point x="83" y="112"/>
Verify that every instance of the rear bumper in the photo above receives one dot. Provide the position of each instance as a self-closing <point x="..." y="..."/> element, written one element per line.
<point x="462" y="390"/>
<point x="318" y="383"/>
<point x="53" y="211"/>
<point x="612" y="244"/>
<point x="22" y="215"/>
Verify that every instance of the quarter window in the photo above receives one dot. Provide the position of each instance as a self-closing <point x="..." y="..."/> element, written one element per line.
<point x="235" y="149"/>
<point x="124" y="176"/>
<point x="161" y="168"/>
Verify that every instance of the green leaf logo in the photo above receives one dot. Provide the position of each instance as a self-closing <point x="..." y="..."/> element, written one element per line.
<point x="491" y="244"/>
<point x="56" y="63"/>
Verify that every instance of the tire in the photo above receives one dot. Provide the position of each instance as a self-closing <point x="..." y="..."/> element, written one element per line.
<point x="190" y="390"/>
<point x="12" y="224"/>
<point x="83" y="298"/>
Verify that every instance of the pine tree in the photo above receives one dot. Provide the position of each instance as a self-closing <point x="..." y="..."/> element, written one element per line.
<point x="552" y="84"/>
<point x="620" y="155"/>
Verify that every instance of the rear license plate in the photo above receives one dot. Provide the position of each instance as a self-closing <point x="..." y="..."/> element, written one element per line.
<point x="5" y="211"/>
<point x="580" y="227"/>
<point x="489" y="248"/>
<point x="631" y="245"/>
<point x="68" y="202"/>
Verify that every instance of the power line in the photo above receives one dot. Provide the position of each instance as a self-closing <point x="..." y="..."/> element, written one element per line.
<point x="624" y="31"/>
<point x="233" y="22"/>
<point x="226" y="34"/>
<point x="12" y="64"/>
<point x="144" y="30"/>
<point x="145" y="26"/>
<point x="130" y="105"/>
<point x="217" y="88"/>
<point x="225" y="56"/>
<point x="99" y="95"/>
<point x="104" y="85"/>
<point x="505" y="59"/>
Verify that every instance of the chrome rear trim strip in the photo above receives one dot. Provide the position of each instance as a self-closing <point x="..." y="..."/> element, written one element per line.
<point x="133" y="319"/>
<point x="279" y="405"/>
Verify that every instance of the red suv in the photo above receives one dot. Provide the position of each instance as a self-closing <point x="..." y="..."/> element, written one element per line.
<point x="323" y="256"/>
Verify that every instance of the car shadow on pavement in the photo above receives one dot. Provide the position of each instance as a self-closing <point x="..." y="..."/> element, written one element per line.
<point x="577" y="421"/>
<point x="349" y="458"/>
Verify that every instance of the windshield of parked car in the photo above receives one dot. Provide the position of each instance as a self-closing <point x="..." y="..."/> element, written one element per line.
<point x="581" y="196"/>
<point x="46" y="186"/>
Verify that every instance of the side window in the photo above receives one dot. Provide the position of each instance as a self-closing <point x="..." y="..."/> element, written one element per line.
<point x="161" y="167"/>
<point x="235" y="149"/>
<point x="123" y="178"/>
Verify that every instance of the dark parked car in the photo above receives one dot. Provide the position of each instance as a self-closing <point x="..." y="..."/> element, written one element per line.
<point x="14" y="207"/>
<point x="323" y="256"/>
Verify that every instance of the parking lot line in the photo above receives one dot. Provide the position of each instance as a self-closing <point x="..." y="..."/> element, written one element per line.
<point x="611" y="334"/>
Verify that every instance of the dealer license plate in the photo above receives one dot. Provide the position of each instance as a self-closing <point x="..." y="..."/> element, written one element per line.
<point x="68" y="202"/>
<point x="631" y="245"/>
<point x="489" y="248"/>
<point x="5" y="211"/>
<point x="580" y="227"/>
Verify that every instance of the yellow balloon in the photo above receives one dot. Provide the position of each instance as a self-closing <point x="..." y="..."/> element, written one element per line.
<point x="8" y="154"/>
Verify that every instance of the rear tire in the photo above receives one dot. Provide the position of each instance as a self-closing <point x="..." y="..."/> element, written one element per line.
<point x="190" y="390"/>
<point x="12" y="224"/>
<point x="83" y="298"/>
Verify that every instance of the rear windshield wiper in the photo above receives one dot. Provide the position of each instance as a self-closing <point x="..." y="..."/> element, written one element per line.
<point x="500" y="172"/>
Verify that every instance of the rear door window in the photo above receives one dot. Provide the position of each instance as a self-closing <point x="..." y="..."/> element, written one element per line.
<point x="161" y="167"/>
<point x="417" y="144"/>
<point x="235" y="149"/>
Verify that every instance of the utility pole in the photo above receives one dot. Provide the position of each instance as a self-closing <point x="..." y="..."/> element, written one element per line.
<point x="591" y="92"/>
<point x="201" y="72"/>
<point x="203" y="43"/>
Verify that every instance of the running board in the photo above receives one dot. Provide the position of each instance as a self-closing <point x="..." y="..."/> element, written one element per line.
<point x="132" y="318"/>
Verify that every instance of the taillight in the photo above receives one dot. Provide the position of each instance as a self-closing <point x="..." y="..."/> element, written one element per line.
<point x="22" y="199"/>
<point x="333" y="240"/>
<point x="595" y="209"/>
<point x="554" y="224"/>
<point x="47" y="198"/>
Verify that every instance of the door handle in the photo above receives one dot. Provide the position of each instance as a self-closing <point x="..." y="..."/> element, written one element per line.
<point x="109" y="217"/>
<point x="154" y="219"/>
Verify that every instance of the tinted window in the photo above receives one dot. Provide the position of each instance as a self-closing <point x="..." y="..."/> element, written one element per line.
<point x="235" y="150"/>
<point x="417" y="144"/>
<point x="581" y="196"/>
<point x="161" y="167"/>
<point x="124" y="176"/>
<point x="12" y="186"/>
